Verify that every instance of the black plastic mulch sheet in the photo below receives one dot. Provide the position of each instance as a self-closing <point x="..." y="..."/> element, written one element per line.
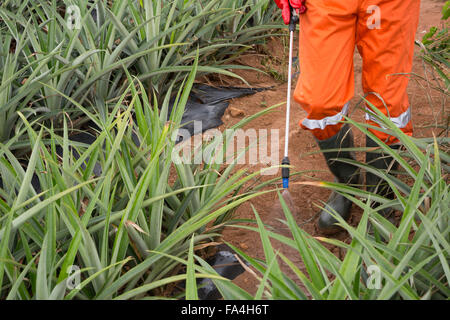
<point x="207" y="104"/>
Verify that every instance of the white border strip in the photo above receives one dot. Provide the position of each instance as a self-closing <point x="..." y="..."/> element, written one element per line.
<point x="400" y="122"/>
<point x="327" y="121"/>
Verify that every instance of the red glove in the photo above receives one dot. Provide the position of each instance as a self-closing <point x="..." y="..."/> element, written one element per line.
<point x="285" y="10"/>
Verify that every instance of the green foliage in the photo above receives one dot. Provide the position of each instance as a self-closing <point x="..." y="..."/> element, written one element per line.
<point x="446" y="11"/>
<point x="129" y="226"/>
<point x="121" y="227"/>
<point x="156" y="41"/>
<point x="436" y="47"/>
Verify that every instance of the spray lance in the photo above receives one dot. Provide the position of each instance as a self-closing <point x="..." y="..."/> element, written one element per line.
<point x="294" y="19"/>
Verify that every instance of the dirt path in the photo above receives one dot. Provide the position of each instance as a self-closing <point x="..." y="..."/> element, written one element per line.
<point x="425" y="103"/>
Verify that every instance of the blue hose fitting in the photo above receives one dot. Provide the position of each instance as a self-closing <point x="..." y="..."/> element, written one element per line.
<point x="285" y="183"/>
<point x="285" y="172"/>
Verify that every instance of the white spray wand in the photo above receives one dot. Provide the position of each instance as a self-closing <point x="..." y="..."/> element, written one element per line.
<point x="292" y="27"/>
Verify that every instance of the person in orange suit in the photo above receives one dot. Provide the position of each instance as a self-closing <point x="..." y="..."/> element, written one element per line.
<point x="383" y="32"/>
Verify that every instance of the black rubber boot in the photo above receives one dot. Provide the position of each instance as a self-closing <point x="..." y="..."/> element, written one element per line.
<point x="375" y="184"/>
<point x="343" y="172"/>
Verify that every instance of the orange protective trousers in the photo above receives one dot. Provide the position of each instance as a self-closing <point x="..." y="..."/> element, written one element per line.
<point x="384" y="33"/>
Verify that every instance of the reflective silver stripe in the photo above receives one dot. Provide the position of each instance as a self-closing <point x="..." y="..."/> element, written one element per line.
<point x="400" y="122"/>
<point x="327" y="121"/>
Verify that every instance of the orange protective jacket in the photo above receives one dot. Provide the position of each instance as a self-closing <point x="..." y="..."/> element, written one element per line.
<point x="384" y="32"/>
